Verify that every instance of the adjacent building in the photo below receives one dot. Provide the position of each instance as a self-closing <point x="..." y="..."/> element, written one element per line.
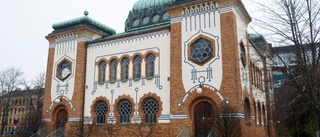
<point x="175" y="64"/>
<point x="20" y="107"/>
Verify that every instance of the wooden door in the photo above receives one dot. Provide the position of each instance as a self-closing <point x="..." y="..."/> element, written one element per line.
<point x="203" y="119"/>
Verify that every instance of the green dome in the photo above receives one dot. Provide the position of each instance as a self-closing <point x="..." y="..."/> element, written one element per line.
<point x="144" y="4"/>
<point x="83" y="21"/>
<point x="148" y="14"/>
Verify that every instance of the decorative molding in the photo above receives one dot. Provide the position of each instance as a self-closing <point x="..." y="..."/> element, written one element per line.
<point x="129" y="39"/>
<point x="74" y="119"/>
<point x="46" y="120"/>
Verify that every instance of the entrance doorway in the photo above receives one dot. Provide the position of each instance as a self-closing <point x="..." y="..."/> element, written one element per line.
<point x="62" y="118"/>
<point x="203" y="119"/>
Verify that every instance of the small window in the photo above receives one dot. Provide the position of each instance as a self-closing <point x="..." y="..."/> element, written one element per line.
<point x="137" y="67"/>
<point x="150" y="65"/>
<point x="101" y="109"/>
<point x="113" y="70"/>
<point x="124" y="110"/>
<point x="150" y="108"/>
<point x="125" y="68"/>
<point x="102" y="71"/>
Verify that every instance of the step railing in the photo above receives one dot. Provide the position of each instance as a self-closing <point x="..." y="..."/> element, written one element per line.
<point x="57" y="133"/>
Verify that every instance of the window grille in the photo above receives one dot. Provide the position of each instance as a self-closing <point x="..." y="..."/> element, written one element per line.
<point x="150" y="65"/>
<point x="101" y="109"/>
<point x="137" y="67"/>
<point x="124" y="110"/>
<point x="125" y="68"/>
<point x="201" y="50"/>
<point x="102" y="71"/>
<point x="150" y="108"/>
<point x="114" y="64"/>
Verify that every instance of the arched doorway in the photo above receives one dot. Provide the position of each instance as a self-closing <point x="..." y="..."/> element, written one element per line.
<point x="62" y="118"/>
<point x="203" y="119"/>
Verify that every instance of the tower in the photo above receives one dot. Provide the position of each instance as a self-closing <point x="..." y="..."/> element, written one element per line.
<point x="65" y="79"/>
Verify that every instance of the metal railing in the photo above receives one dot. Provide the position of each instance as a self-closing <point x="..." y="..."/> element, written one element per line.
<point x="57" y="133"/>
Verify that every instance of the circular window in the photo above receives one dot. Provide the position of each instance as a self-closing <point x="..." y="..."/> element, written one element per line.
<point x="155" y="18"/>
<point x="165" y="16"/>
<point x="135" y="22"/>
<point x="145" y="20"/>
<point x="201" y="50"/>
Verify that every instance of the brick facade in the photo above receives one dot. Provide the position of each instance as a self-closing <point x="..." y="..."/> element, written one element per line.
<point x="230" y="90"/>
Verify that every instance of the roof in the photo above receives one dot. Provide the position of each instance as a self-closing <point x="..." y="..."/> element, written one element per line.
<point x="258" y="39"/>
<point x="144" y="4"/>
<point x="83" y="21"/>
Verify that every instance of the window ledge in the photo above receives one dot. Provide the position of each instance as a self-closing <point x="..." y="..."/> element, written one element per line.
<point x="100" y="124"/>
<point x="101" y="83"/>
<point x="136" y="79"/>
<point x="112" y="81"/>
<point x="124" y="80"/>
<point x="150" y="77"/>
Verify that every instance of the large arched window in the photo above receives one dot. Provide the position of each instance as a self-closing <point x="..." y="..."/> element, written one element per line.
<point x="150" y="107"/>
<point x="137" y="67"/>
<point x="101" y="109"/>
<point x="102" y="71"/>
<point x="125" y="68"/>
<point x="124" y="110"/>
<point x="150" y="65"/>
<point x="113" y="70"/>
<point x="247" y="111"/>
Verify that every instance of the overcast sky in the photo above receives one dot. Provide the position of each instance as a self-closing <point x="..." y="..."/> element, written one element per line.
<point x="25" y="23"/>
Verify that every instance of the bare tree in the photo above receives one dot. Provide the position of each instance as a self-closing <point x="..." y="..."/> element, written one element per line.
<point x="141" y="129"/>
<point x="39" y="81"/>
<point x="226" y="122"/>
<point x="296" y="22"/>
<point x="10" y="79"/>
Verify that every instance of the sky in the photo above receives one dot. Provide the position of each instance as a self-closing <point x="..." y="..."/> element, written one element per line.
<point x="25" y="23"/>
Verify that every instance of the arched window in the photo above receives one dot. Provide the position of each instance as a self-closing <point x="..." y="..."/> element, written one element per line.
<point x="124" y="110"/>
<point x="137" y="67"/>
<point x="264" y="115"/>
<point x="101" y="109"/>
<point x="125" y="68"/>
<point x="150" y="107"/>
<point x="102" y="71"/>
<point x="150" y="65"/>
<point x="243" y="55"/>
<point x="259" y="114"/>
<point x="247" y="111"/>
<point x="113" y="70"/>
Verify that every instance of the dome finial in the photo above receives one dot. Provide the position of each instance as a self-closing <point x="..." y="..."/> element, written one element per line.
<point x="86" y="13"/>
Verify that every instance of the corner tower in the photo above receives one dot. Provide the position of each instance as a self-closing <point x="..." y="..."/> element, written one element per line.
<point x="65" y="79"/>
